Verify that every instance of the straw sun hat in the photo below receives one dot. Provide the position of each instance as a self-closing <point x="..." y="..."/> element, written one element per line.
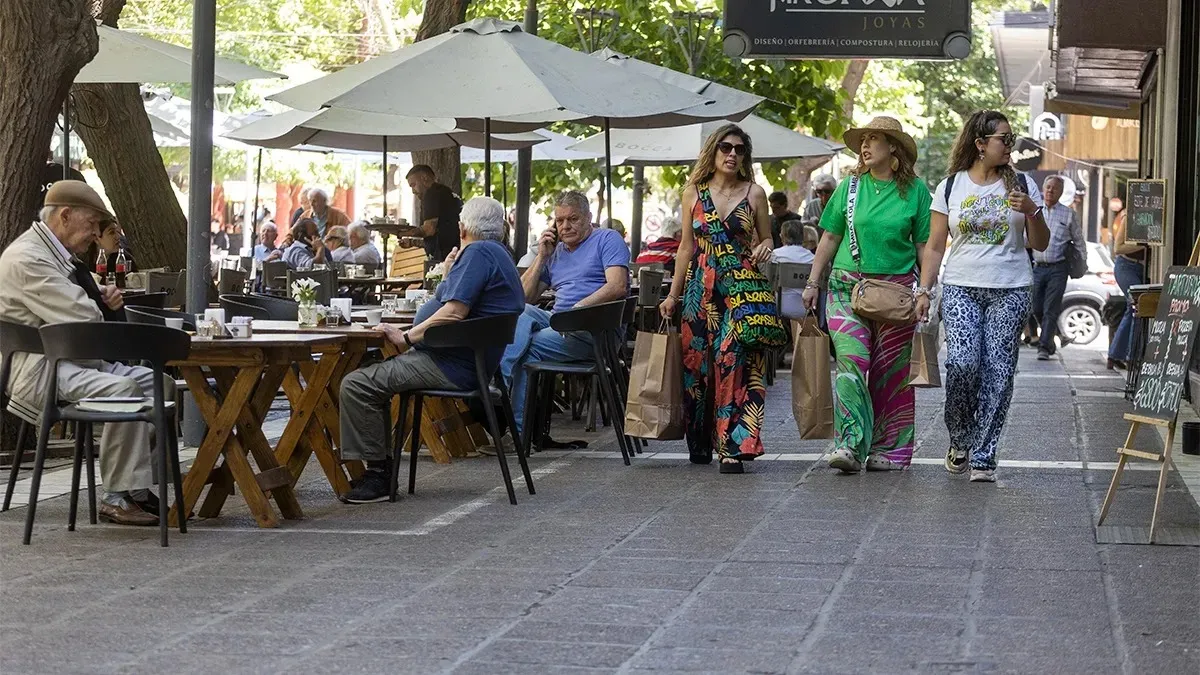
<point x="888" y="126"/>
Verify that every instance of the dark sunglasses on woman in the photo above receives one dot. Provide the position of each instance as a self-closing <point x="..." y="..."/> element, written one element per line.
<point x="739" y="148"/>
<point x="1009" y="140"/>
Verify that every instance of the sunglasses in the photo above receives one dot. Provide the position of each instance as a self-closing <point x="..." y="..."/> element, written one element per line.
<point x="738" y="149"/>
<point x="1009" y="140"/>
<point x="823" y="191"/>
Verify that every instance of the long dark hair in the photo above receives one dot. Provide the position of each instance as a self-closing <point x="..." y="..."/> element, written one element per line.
<point x="980" y="125"/>
<point x="706" y="163"/>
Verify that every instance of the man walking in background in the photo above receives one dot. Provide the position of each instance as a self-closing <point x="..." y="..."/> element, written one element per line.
<point x="1050" y="266"/>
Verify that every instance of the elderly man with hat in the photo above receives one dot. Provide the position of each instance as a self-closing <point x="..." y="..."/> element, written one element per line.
<point x="37" y="287"/>
<point x="876" y="224"/>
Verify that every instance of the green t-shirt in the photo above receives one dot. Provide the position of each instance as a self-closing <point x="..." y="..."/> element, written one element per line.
<point x="887" y="225"/>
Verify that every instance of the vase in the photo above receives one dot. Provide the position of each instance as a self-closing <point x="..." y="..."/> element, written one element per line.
<point x="307" y="314"/>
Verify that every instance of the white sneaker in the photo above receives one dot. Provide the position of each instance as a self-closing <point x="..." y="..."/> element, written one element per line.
<point x="844" y="461"/>
<point x="881" y="463"/>
<point x="983" y="475"/>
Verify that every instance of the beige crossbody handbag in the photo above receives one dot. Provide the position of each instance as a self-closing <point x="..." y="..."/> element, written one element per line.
<point x="875" y="299"/>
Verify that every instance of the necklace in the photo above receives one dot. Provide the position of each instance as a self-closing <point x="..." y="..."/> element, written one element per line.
<point x="880" y="185"/>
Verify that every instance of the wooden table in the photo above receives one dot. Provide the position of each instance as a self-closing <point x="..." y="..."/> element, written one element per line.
<point x="443" y="430"/>
<point x="247" y="375"/>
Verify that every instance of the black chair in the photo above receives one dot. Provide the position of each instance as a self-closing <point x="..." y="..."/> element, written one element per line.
<point x="274" y="275"/>
<point x="157" y="317"/>
<point x="277" y="309"/>
<point x="155" y="300"/>
<point x="230" y="281"/>
<point x="170" y="283"/>
<point x="604" y="323"/>
<point x="478" y="335"/>
<point x="235" y="305"/>
<point x="327" y="279"/>
<point x="110" y="341"/>
<point x="15" y="339"/>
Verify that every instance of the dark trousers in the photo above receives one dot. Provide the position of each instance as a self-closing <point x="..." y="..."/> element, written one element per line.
<point x="1049" y="284"/>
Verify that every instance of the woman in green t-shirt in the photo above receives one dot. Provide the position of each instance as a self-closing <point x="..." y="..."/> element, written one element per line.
<point x="875" y="406"/>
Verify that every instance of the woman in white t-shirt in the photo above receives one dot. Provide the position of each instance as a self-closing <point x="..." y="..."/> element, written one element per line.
<point x="992" y="214"/>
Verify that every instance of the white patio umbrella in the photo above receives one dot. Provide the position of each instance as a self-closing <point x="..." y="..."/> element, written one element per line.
<point x="129" y="57"/>
<point x="345" y="129"/>
<point x="726" y="102"/>
<point x="492" y="72"/>
<point x="681" y="145"/>
<point x="555" y="149"/>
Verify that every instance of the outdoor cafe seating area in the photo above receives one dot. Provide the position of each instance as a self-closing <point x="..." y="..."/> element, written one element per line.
<point x="248" y="353"/>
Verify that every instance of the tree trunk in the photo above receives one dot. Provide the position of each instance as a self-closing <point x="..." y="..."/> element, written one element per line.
<point x="113" y="124"/>
<point x="800" y="173"/>
<point x="439" y="17"/>
<point x="43" y="44"/>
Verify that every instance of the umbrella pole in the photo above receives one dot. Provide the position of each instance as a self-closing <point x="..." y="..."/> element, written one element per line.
<point x="385" y="178"/>
<point x="504" y="186"/>
<point x="66" y="137"/>
<point x="487" y="156"/>
<point x="257" y="184"/>
<point x="608" y="167"/>
<point x="639" y="195"/>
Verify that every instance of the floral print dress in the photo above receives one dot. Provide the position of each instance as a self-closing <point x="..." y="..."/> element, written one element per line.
<point x="724" y="393"/>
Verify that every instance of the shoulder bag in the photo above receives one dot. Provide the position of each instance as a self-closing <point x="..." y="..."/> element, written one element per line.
<point x="876" y="299"/>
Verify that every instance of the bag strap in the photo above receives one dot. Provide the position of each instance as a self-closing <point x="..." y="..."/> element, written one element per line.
<point x="949" y="188"/>
<point x="851" y="198"/>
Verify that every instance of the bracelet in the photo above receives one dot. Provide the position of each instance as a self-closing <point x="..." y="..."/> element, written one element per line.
<point x="813" y="285"/>
<point x="921" y="290"/>
<point x="406" y="340"/>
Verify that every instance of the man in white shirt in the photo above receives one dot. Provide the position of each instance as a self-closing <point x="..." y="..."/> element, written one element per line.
<point x="1050" y="266"/>
<point x="37" y="287"/>
<point x="794" y="250"/>
<point x="365" y="252"/>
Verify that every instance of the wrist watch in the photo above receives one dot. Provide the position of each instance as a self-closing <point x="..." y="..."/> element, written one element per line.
<point x="406" y="340"/>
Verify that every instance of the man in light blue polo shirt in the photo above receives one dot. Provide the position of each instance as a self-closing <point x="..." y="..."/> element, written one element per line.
<point x="585" y="266"/>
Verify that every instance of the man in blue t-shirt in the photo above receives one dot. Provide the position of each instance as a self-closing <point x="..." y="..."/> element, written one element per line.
<point x="480" y="281"/>
<point x="584" y="266"/>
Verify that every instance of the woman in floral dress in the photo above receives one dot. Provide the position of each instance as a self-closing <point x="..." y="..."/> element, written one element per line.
<point x="724" y="391"/>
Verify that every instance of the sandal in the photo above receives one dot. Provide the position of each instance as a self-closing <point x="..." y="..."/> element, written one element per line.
<point x="734" y="466"/>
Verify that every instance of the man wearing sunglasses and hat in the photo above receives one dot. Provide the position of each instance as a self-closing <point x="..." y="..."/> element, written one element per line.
<point x="38" y="287"/>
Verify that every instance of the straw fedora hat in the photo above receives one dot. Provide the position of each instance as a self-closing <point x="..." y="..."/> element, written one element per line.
<point x="888" y="126"/>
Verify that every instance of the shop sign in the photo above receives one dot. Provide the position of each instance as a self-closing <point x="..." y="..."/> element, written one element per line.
<point x="1027" y="155"/>
<point x="1047" y="127"/>
<point x="842" y="29"/>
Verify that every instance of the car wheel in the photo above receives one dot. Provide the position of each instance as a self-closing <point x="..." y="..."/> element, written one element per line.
<point x="1080" y="323"/>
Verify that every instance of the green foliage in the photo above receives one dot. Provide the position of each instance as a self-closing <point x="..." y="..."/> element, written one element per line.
<point x="934" y="98"/>
<point x="800" y="94"/>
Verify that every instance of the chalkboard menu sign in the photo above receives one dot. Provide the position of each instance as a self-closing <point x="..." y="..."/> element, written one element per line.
<point x="1147" y="206"/>
<point x="1169" y="341"/>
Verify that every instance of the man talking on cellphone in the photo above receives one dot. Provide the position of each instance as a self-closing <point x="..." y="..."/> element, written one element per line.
<point x="584" y="266"/>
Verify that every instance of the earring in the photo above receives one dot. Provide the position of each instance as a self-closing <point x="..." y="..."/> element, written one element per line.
<point x="981" y="156"/>
<point x="895" y="163"/>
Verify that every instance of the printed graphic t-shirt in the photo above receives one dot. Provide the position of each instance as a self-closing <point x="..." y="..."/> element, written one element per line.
<point x="987" y="247"/>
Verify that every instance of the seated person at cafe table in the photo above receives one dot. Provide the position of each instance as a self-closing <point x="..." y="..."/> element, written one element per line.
<point x="365" y="252"/>
<point x="337" y="247"/>
<point x="302" y="252"/>
<point x="480" y="281"/>
<point x="38" y="285"/>
<point x="322" y="214"/>
<point x="266" y="250"/>
<point x="585" y="265"/>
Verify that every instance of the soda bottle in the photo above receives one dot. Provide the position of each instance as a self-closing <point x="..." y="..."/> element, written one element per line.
<point x="122" y="265"/>
<point x="102" y="264"/>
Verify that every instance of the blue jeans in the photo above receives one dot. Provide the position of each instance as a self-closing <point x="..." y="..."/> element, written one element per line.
<point x="536" y="341"/>
<point x="1128" y="273"/>
<point x="1049" y="284"/>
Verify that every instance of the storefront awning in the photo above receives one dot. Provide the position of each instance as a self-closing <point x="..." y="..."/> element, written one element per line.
<point x="1103" y="48"/>
<point x="1022" y="44"/>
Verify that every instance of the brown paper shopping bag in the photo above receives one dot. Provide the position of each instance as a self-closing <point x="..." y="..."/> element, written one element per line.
<point x="654" y="408"/>
<point x="812" y="393"/>
<point x="923" y="366"/>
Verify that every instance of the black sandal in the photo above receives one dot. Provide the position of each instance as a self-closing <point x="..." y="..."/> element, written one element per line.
<point x="735" y="466"/>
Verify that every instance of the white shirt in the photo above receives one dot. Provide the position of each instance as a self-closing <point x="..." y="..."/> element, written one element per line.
<point x="367" y="255"/>
<point x="987" y="248"/>
<point x="791" y="304"/>
<point x="341" y="254"/>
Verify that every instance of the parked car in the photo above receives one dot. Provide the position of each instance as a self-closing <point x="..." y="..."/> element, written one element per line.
<point x="1081" y="320"/>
